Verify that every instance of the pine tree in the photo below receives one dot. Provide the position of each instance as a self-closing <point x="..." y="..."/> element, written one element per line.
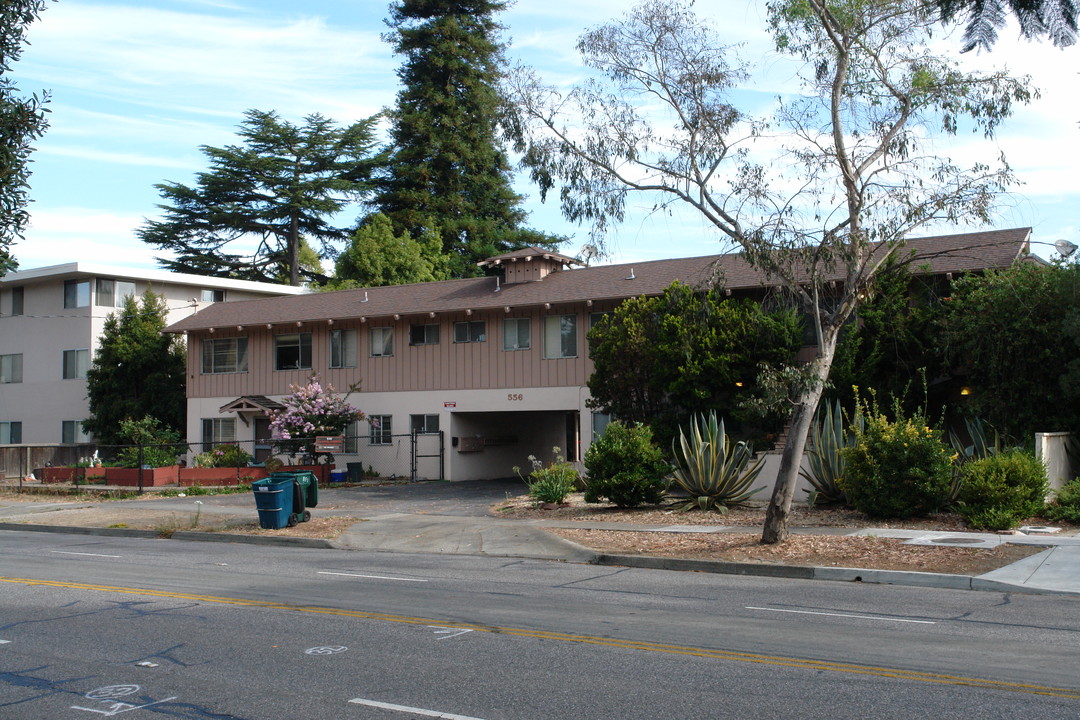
<point x="137" y="371"/>
<point x="277" y="188"/>
<point x="447" y="171"/>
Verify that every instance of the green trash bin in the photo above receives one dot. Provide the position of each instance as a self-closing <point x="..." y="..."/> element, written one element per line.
<point x="308" y="488"/>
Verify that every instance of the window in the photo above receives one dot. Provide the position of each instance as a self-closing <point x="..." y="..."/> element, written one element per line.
<point x="11" y="368"/>
<point x="342" y="348"/>
<point x="292" y="351"/>
<point x="382" y="429"/>
<point x="382" y="341"/>
<point x="224" y="355"/>
<point x="423" y="334"/>
<point x="470" y="331"/>
<point x="211" y="296"/>
<point x="516" y="334"/>
<point x="424" y="424"/>
<point x="600" y="421"/>
<point x="560" y="336"/>
<point x="76" y="363"/>
<point x="10" y="433"/>
<point x="218" y="430"/>
<point x="71" y="432"/>
<point x="596" y="317"/>
<point x="16" y="301"/>
<point x="76" y="293"/>
<point x="112" y="293"/>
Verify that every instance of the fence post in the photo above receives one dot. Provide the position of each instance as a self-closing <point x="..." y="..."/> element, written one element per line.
<point x="442" y="456"/>
<point x="412" y="455"/>
<point x="140" y="468"/>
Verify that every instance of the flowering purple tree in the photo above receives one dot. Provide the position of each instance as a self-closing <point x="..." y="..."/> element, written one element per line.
<point x="310" y="410"/>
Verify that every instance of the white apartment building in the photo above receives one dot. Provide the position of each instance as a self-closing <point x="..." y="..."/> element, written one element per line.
<point x="51" y="319"/>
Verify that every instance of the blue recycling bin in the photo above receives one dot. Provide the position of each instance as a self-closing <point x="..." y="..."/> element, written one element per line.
<point x="275" y="500"/>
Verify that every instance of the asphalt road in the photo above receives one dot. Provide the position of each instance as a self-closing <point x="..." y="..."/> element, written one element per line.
<point x="108" y="626"/>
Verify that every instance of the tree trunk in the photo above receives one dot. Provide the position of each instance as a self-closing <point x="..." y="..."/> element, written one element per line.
<point x="775" y="529"/>
<point x="294" y="252"/>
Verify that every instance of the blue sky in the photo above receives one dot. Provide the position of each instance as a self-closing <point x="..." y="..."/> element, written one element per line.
<point x="137" y="87"/>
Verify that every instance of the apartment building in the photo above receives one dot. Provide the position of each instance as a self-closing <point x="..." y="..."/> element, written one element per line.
<point x="51" y="319"/>
<point x="498" y="365"/>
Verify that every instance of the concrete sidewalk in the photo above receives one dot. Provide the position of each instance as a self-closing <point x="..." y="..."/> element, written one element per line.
<point x="443" y="519"/>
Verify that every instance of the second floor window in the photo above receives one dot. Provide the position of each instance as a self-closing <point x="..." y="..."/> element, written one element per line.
<point x="516" y="334"/>
<point x="423" y="334"/>
<point x="342" y="348"/>
<point x="382" y="341"/>
<point x="474" y="331"/>
<point x="224" y="355"/>
<point x="16" y="301"/>
<point x="10" y="432"/>
<point x="560" y="336"/>
<point x="11" y="368"/>
<point x="292" y="351"/>
<point x="76" y="363"/>
<point x="212" y="296"/>
<point x="76" y="293"/>
<point x="112" y="293"/>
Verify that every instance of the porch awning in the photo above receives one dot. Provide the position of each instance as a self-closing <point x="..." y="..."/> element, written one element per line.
<point x="251" y="404"/>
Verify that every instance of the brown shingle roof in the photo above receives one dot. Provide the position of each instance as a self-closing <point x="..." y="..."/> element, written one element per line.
<point x="943" y="253"/>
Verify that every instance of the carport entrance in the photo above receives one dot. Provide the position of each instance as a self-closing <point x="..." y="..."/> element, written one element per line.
<point x="492" y="444"/>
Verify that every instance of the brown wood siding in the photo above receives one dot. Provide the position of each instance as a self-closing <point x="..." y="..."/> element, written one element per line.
<point x="445" y="366"/>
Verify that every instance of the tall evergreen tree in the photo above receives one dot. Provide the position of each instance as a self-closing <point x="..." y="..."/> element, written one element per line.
<point x="447" y="171"/>
<point x="22" y="120"/>
<point x="280" y="186"/>
<point x="137" y="371"/>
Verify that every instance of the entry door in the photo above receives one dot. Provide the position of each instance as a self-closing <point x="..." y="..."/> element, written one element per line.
<point x="263" y="447"/>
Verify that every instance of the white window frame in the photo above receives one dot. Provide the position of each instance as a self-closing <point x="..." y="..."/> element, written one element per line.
<point x="517" y="324"/>
<point x="343" y="348"/>
<point x="77" y="363"/>
<point x="10" y="432"/>
<point x="212" y="295"/>
<point x="11" y="368"/>
<point x="382" y="341"/>
<point x="555" y="326"/>
<point x="381" y="431"/>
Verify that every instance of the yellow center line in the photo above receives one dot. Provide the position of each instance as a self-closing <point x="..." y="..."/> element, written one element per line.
<point x="777" y="660"/>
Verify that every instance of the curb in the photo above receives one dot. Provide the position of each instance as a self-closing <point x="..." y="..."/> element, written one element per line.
<point x="191" y="535"/>
<point x="798" y="572"/>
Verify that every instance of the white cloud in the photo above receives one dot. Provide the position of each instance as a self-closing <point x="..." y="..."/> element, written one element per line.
<point x="80" y="234"/>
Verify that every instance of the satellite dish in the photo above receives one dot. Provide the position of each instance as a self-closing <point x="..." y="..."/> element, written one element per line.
<point x="1065" y="248"/>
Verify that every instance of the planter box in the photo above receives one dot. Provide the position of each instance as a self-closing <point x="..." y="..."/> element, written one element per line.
<point x="152" y="477"/>
<point x="68" y="474"/>
<point x="219" y="476"/>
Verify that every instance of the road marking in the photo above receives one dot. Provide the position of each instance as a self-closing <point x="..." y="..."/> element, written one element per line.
<point x="689" y="651"/>
<point x="827" y="614"/>
<point x="326" y="650"/>
<point x="413" y="710"/>
<point x="65" y="552"/>
<point x="373" y="577"/>
<point x="4" y="642"/>
<point x="448" y="632"/>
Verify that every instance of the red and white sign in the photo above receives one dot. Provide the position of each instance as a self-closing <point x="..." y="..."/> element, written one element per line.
<point x="449" y="404"/>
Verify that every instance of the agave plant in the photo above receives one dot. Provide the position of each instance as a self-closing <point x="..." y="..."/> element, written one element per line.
<point x="713" y="470"/>
<point x="979" y="448"/>
<point x="825" y="457"/>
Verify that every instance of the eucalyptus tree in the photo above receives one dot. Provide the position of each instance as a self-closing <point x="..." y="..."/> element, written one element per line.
<point x="22" y="120"/>
<point x="846" y="171"/>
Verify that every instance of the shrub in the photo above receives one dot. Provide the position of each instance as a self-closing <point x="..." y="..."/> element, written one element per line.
<point x="897" y="469"/>
<point x="1066" y="506"/>
<point x="713" y="470"/>
<point x="625" y="467"/>
<point x="553" y="482"/>
<point x="1002" y="489"/>
<point x="227" y="455"/>
<point x="161" y="446"/>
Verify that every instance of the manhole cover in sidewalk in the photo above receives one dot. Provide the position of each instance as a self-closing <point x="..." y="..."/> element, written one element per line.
<point x="974" y="542"/>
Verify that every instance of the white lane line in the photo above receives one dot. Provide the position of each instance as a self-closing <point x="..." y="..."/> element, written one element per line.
<point x="414" y="711"/>
<point x="64" y="552"/>
<point x="861" y="617"/>
<point x="4" y="642"/>
<point x="373" y="577"/>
